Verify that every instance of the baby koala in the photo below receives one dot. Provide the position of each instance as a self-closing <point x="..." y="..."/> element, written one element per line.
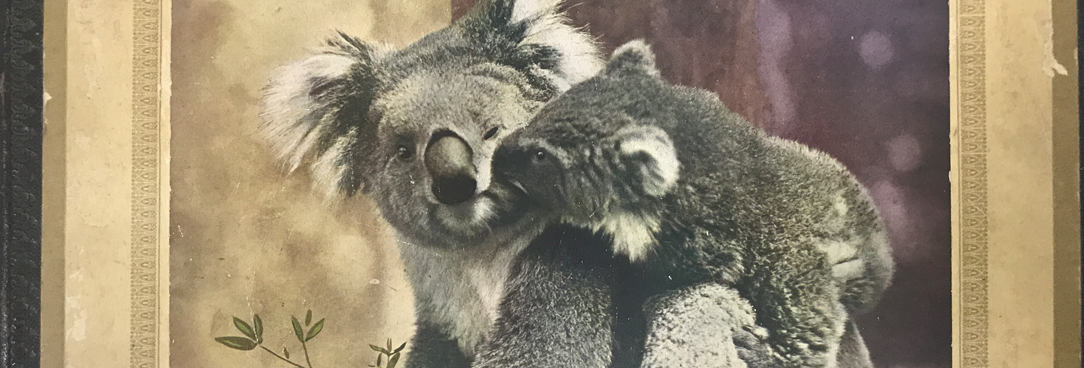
<point x="692" y="193"/>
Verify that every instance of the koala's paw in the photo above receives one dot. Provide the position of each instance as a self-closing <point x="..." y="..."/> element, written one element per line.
<point x="752" y="347"/>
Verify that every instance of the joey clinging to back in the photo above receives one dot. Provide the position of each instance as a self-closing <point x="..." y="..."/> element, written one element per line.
<point x="415" y="128"/>
<point x="695" y="194"/>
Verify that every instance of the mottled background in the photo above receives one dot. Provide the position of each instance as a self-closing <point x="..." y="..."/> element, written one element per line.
<point x="864" y="80"/>
<point x="243" y="238"/>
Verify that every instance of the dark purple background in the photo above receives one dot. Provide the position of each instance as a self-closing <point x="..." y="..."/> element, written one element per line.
<point x="863" y="80"/>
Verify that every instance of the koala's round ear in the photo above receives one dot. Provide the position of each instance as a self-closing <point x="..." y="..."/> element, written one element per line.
<point x="634" y="57"/>
<point x="302" y="105"/>
<point x="648" y="156"/>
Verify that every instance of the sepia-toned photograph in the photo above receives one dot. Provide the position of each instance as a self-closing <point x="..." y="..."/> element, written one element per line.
<point x="540" y="183"/>
<point x="533" y="183"/>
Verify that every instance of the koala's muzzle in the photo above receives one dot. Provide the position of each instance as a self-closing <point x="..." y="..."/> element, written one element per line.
<point x="449" y="161"/>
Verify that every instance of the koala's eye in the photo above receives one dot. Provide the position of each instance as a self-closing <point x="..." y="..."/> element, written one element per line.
<point x="404" y="153"/>
<point x="492" y="132"/>
<point x="539" y="155"/>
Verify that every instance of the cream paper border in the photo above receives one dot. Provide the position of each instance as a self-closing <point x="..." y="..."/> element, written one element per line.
<point x="105" y="235"/>
<point x="996" y="324"/>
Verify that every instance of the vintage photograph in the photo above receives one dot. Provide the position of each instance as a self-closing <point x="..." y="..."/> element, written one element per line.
<point x="537" y="183"/>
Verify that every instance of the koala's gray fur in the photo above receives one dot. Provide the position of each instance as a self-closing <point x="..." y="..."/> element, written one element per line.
<point x="677" y="338"/>
<point x="708" y="325"/>
<point x="415" y="129"/>
<point x="695" y="194"/>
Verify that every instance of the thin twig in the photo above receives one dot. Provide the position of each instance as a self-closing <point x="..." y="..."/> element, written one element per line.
<point x="284" y="359"/>
<point x="306" y="349"/>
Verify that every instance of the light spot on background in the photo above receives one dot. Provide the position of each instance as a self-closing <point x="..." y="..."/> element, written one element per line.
<point x="876" y="49"/>
<point x="904" y="152"/>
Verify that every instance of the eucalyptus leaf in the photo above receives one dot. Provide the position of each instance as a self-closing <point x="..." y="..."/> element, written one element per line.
<point x="285" y="352"/>
<point x="315" y="330"/>
<point x="379" y="349"/>
<point x="297" y="329"/>
<point x="394" y="359"/>
<point x="389" y="346"/>
<point x="244" y="328"/>
<point x="400" y="348"/>
<point x="308" y="317"/>
<point x="237" y="342"/>
<point x="378" y="359"/>
<point x="257" y="327"/>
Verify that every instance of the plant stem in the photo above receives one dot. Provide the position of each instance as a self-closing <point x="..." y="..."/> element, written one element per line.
<point x="306" y="349"/>
<point x="283" y="359"/>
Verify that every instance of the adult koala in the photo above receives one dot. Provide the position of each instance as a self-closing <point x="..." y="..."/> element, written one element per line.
<point x="415" y="129"/>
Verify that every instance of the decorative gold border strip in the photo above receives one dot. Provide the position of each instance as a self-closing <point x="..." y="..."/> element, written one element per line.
<point x="971" y="93"/>
<point x="146" y="147"/>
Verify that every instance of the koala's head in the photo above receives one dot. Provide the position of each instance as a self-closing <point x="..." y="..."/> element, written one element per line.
<point x="416" y="128"/>
<point x="593" y="155"/>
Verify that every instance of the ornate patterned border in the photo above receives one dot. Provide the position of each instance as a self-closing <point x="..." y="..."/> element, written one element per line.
<point x="971" y="147"/>
<point x="146" y="103"/>
<point x="20" y="183"/>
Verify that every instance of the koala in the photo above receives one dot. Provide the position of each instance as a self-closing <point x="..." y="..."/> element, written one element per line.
<point x="415" y="129"/>
<point x="693" y="194"/>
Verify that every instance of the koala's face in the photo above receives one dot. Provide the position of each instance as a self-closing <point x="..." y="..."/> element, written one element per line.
<point x="416" y="128"/>
<point x="580" y="172"/>
<point x="435" y="138"/>
<point x="560" y="170"/>
<point x="589" y="153"/>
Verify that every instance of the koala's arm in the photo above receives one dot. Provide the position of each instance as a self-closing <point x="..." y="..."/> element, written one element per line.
<point x="706" y="325"/>
<point x="710" y="325"/>
<point x="432" y="348"/>
<point x="797" y="301"/>
<point x="556" y="310"/>
<point x="864" y="274"/>
<point x="864" y="279"/>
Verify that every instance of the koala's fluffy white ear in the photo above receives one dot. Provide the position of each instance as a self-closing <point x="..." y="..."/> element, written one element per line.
<point x="578" y="57"/>
<point x="649" y="155"/>
<point x="548" y="45"/>
<point x="301" y="106"/>
<point x="633" y="57"/>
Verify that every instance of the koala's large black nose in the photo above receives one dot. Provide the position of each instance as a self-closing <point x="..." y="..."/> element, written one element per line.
<point x="450" y="163"/>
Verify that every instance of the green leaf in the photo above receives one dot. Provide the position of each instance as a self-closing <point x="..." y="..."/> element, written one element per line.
<point x="379" y="349"/>
<point x="400" y="348"/>
<point x="394" y="359"/>
<point x="389" y="346"/>
<point x="257" y="327"/>
<point x="244" y="328"/>
<point x="319" y="326"/>
<point x="237" y="342"/>
<point x="378" y="357"/>
<point x="297" y="329"/>
<point x="285" y="352"/>
<point x="308" y="317"/>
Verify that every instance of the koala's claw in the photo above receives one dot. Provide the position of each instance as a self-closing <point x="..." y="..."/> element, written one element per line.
<point x="752" y="348"/>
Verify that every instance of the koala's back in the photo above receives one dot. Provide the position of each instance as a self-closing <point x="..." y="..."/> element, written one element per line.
<point x="766" y="201"/>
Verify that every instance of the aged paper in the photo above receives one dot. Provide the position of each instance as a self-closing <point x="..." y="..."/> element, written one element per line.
<point x="249" y="240"/>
